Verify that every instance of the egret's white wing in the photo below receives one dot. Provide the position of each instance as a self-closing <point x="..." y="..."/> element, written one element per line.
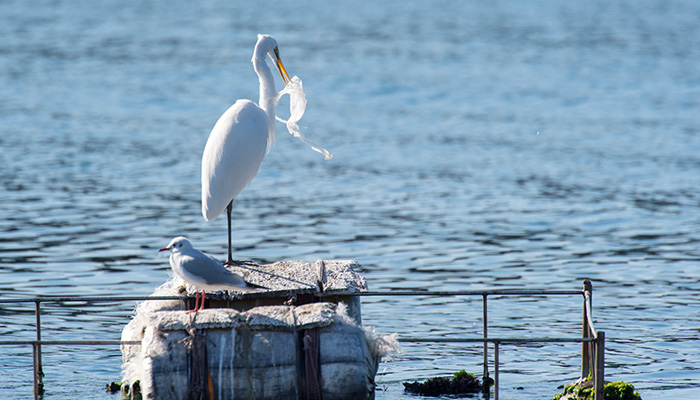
<point x="233" y="153"/>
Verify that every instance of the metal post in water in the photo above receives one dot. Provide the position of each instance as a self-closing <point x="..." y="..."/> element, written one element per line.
<point x="486" y="335"/>
<point x="38" y="369"/>
<point x="35" y="372"/>
<point x="495" y="370"/>
<point x="586" y="346"/>
<point x="599" y="374"/>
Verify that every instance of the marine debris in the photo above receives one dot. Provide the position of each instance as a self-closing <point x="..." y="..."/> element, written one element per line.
<point x="462" y="383"/>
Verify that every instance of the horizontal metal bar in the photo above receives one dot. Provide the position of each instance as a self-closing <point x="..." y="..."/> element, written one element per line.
<point x="464" y="292"/>
<point x="57" y="299"/>
<point x="107" y="299"/>
<point x="497" y="340"/>
<point x="68" y="342"/>
<point x="408" y="339"/>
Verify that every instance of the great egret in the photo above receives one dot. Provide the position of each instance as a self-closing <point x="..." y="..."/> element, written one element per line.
<point x="202" y="270"/>
<point x="237" y="143"/>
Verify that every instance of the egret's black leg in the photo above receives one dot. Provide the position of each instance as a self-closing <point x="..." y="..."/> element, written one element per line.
<point x="229" y="207"/>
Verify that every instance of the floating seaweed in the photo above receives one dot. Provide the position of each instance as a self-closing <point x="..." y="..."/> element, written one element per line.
<point x="462" y="383"/>
<point x="114" y="387"/>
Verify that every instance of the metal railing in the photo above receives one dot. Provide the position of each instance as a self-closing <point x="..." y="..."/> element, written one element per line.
<point x="592" y="341"/>
<point x="37" y="368"/>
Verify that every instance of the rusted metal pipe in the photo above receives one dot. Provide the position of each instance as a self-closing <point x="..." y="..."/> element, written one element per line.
<point x="495" y="369"/>
<point x="68" y="342"/>
<point x="104" y="299"/>
<point x="486" y="335"/>
<point x="494" y="340"/>
<point x="599" y="374"/>
<point x="501" y="292"/>
<point x="586" y="347"/>
<point x="35" y="373"/>
<point x="287" y="293"/>
<point x="36" y="347"/>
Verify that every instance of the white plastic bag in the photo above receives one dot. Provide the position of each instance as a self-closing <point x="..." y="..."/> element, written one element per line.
<point x="297" y="106"/>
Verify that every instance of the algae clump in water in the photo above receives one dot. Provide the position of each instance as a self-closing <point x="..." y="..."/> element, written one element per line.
<point x="461" y="383"/>
<point x="611" y="391"/>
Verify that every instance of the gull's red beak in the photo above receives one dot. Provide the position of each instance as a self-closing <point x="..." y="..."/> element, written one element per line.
<point x="164" y="249"/>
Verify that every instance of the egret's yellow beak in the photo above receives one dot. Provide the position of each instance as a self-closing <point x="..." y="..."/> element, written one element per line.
<point x="280" y="67"/>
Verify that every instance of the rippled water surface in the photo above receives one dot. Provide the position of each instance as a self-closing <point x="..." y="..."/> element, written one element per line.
<point x="500" y="145"/>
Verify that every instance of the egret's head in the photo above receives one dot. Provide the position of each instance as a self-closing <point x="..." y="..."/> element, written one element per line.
<point x="180" y="243"/>
<point x="267" y="45"/>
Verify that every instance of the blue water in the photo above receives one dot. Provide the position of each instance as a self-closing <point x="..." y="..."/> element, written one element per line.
<point x="477" y="145"/>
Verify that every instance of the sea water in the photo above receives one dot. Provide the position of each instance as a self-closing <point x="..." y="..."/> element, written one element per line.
<point x="525" y="145"/>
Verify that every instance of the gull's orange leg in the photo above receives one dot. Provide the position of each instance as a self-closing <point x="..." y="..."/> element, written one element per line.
<point x="201" y="306"/>
<point x="196" y="303"/>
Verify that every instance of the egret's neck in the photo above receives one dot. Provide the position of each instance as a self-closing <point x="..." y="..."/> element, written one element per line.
<point x="267" y="86"/>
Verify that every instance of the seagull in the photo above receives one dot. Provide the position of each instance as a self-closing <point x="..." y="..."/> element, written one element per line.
<point x="202" y="270"/>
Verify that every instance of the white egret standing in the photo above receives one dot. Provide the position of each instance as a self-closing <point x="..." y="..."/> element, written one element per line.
<point x="202" y="270"/>
<point x="237" y="143"/>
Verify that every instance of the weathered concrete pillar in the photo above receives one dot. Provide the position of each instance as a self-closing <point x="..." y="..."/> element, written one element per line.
<point x="261" y="345"/>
